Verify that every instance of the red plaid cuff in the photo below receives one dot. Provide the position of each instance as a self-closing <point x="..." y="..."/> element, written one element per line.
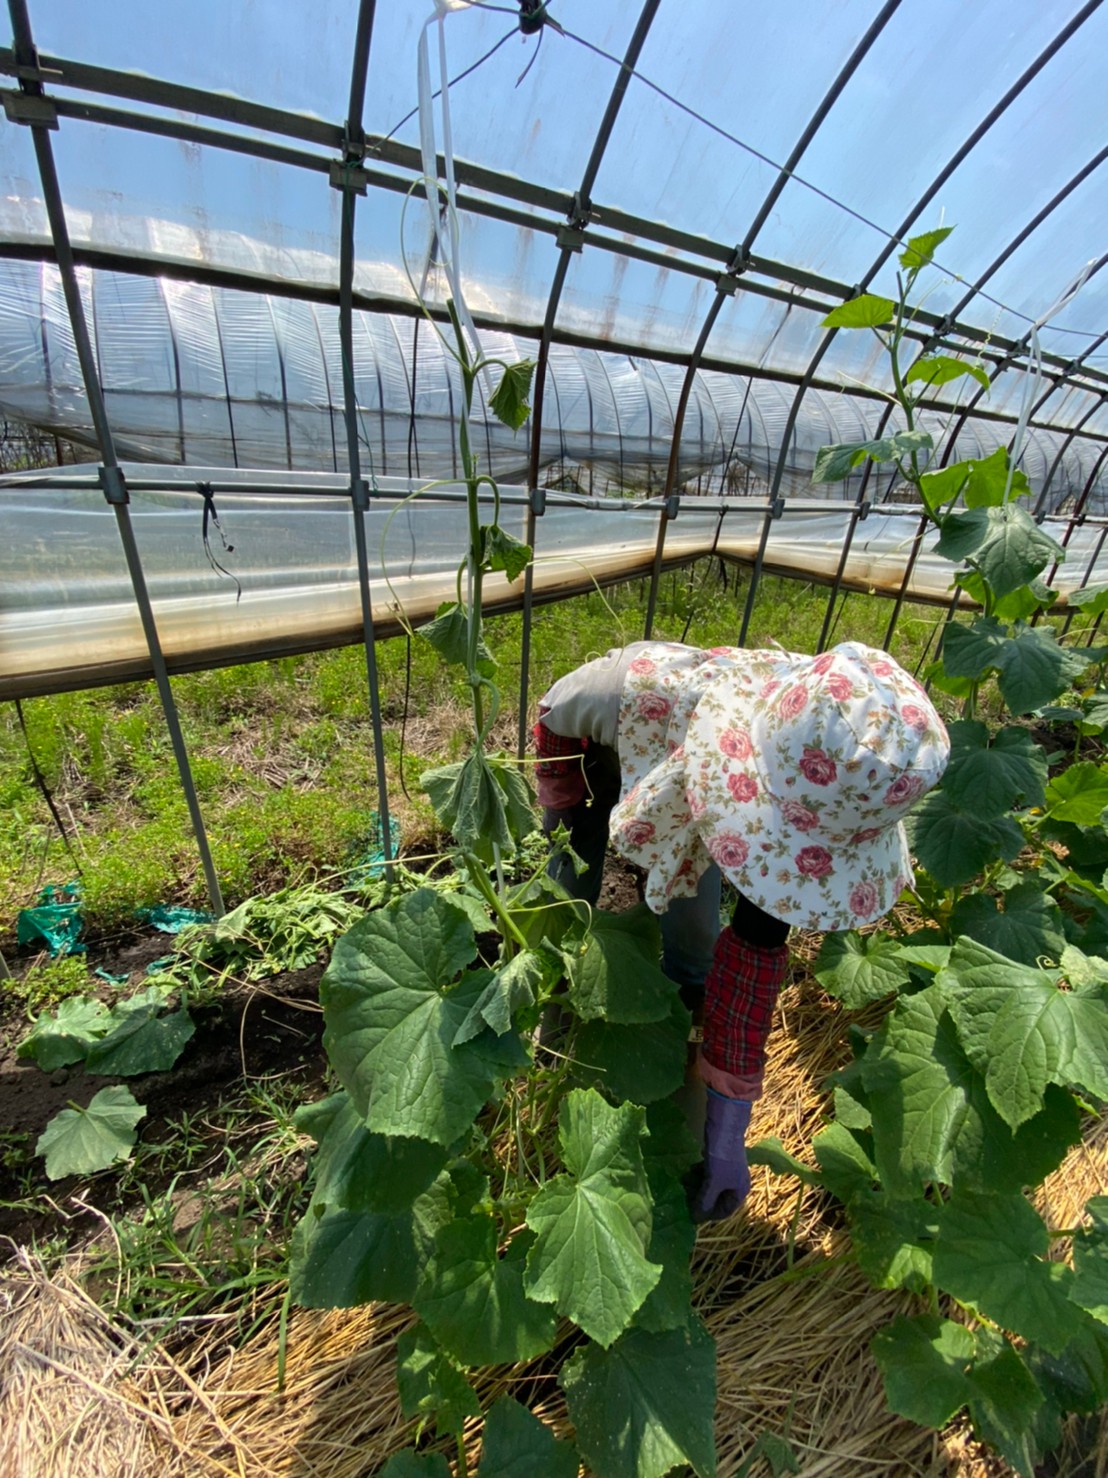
<point x="740" y="993"/>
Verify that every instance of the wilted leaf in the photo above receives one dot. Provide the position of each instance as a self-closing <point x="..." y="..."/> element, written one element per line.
<point x="80" y="1141"/>
<point x="508" y="401"/>
<point x="63" y="1037"/>
<point x="504" y="551"/>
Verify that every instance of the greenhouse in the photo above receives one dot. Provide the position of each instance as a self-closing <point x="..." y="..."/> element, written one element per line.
<point x="366" y="369"/>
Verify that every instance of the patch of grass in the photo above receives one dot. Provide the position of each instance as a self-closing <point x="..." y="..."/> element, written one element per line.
<point x="282" y="751"/>
<point x="199" y="1220"/>
<point x="49" y="981"/>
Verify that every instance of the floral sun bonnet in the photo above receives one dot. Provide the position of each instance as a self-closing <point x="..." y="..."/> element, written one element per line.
<point x="793" y="773"/>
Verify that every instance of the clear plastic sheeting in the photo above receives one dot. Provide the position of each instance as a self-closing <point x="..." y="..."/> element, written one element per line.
<point x="213" y="377"/>
<point x="289" y="583"/>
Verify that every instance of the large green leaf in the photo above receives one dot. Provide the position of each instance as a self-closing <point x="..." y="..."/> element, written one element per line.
<point x="1022" y="1032"/>
<point x="973" y="650"/>
<point x="865" y="311"/>
<point x="893" y="1240"/>
<point x="359" y="1170"/>
<point x="940" y="369"/>
<point x="921" y="249"/>
<point x="63" y="1037"/>
<point x="636" y="1064"/>
<point x="407" y="1463"/>
<point x="1005" y="544"/>
<point x="670" y="1147"/>
<point x="932" y="1116"/>
<point x="915" y="1076"/>
<point x="845" y="1159"/>
<point x="988" y="775"/>
<point x="518" y="1445"/>
<point x="1079" y="794"/>
<point x="1005" y="1401"/>
<point x="615" y="974"/>
<point x="672" y="1238"/>
<point x="990" y="1253"/>
<point x="646" y="1405"/>
<point x="593" y="1224"/>
<point x="392" y="1013"/>
<point x="80" y="1141"/>
<point x="141" y="1039"/>
<point x="954" y="845"/>
<point x="1029" y="928"/>
<point x="924" y="1362"/>
<point x="343" y="1258"/>
<point x="1019" y="605"/>
<point x="857" y="968"/>
<point x="475" y="1306"/>
<point x="938" y="488"/>
<point x="1034" y="669"/>
<point x="987" y="484"/>
<point x="430" y="1384"/>
<point x="1090" y="1261"/>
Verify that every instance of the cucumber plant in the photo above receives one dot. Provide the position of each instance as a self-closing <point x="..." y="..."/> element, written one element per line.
<point x="519" y="1185"/>
<point x="993" y="1053"/>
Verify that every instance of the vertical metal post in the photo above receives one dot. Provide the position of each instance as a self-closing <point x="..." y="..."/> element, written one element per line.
<point x="359" y="488"/>
<point x="111" y="475"/>
<point x="669" y="510"/>
<point x="917" y="545"/>
<point x="775" y="510"/>
<point x="1072" y="610"/>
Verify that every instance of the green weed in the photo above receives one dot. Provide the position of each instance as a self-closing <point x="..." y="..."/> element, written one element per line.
<point x="49" y="982"/>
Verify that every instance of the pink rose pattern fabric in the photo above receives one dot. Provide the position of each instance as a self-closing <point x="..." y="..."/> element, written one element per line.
<point x="793" y="773"/>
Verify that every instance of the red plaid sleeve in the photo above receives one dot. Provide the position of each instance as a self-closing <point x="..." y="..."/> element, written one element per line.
<point x="740" y="993"/>
<point x="559" y="774"/>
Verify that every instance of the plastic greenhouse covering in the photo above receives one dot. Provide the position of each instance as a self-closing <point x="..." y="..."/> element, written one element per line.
<point x="218" y="273"/>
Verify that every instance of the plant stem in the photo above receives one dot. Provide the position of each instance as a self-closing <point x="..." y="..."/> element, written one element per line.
<point x="481" y="878"/>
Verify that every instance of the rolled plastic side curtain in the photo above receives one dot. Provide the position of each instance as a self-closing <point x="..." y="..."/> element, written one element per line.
<point x="181" y="365"/>
<point x="68" y="619"/>
<point x="110" y="476"/>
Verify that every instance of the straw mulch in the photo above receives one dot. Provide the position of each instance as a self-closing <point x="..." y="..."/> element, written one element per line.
<point x="792" y="1325"/>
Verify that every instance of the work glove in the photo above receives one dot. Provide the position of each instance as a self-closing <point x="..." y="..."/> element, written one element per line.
<point x="723" y="1183"/>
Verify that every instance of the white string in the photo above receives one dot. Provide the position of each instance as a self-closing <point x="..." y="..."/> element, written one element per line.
<point x="1033" y="379"/>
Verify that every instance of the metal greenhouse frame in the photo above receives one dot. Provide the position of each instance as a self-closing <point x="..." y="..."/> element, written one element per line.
<point x="662" y="404"/>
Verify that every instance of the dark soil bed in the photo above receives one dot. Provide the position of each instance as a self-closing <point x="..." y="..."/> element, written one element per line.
<point x="271" y="1029"/>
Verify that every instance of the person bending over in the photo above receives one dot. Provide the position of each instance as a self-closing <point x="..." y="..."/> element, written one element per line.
<point x="786" y="774"/>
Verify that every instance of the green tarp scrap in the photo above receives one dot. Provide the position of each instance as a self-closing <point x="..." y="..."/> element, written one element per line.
<point x="171" y="919"/>
<point x="55" y="920"/>
<point x="368" y="855"/>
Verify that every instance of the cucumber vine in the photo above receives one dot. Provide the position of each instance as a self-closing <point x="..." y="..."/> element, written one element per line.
<point x="505" y="1186"/>
<point x="993" y="1055"/>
